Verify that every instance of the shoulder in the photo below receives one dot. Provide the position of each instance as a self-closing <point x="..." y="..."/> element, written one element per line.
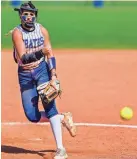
<point x="16" y="33"/>
<point x="38" y="25"/>
<point x="43" y="30"/>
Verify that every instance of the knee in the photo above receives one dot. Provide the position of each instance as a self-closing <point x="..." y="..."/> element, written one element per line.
<point x="33" y="116"/>
<point x="51" y="109"/>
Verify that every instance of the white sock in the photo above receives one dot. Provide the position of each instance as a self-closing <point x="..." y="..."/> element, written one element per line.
<point x="44" y="119"/>
<point x="61" y="117"/>
<point x="57" y="130"/>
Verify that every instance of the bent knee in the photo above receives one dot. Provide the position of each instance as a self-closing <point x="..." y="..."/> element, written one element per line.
<point x="33" y="116"/>
<point x="51" y="109"/>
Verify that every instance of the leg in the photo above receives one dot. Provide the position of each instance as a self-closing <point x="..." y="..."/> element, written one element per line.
<point x="53" y="116"/>
<point x="29" y="95"/>
<point x="50" y="110"/>
<point x="30" y="104"/>
<point x="55" y="122"/>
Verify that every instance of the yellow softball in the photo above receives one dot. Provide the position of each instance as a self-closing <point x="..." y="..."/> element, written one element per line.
<point x="126" y="113"/>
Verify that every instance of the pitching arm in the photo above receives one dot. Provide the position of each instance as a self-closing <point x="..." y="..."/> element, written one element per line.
<point x="48" y="52"/>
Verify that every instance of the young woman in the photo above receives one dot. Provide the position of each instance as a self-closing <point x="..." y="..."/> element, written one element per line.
<point x="37" y="65"/>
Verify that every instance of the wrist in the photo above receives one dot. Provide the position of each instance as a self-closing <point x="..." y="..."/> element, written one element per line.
<point x="51" y="63"/>
<point x="53" y="74"/>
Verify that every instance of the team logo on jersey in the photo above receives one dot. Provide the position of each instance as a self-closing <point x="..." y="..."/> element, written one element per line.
<point x="33" y="43"/>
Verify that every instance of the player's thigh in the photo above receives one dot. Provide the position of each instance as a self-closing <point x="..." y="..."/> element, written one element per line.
<point x="43" y="73"/>
<point x="30" y="103"/>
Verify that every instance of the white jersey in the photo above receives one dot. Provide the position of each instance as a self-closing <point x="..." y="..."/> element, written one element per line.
<point x="33" y="40"/>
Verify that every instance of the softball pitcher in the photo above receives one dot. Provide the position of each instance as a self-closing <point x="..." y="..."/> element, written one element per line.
<point x="37" y="65"/>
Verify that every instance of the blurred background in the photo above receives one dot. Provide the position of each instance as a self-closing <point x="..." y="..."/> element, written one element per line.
<point x="83" y="24"/>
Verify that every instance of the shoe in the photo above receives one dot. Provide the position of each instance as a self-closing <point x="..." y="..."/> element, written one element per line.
<point x="69" y="124"/>
<point x="61" y="154"/>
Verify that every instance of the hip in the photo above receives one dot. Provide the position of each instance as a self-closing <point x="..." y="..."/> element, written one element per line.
<point x="36" y="75"/>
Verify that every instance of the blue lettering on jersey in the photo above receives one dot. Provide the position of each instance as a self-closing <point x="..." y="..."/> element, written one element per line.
<point x="42" y="40"/>
<point x="33" y="43"/>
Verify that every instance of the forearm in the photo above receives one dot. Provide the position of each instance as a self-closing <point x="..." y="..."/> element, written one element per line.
<point x="51" y="61"/>
<point x="47" y="50"/>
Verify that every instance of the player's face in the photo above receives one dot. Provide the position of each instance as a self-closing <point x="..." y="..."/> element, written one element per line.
<point x="28" y="16"/>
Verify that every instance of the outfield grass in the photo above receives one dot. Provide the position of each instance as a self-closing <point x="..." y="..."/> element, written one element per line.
<point x="80" y="25"/>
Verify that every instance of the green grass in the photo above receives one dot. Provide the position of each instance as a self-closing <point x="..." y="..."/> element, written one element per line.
<point x="80" y="25"/>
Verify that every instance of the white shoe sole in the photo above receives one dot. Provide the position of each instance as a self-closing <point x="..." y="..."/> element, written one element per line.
<point x="63" y="157"/>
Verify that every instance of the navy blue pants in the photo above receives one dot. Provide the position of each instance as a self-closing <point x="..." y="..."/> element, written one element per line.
<point x="29" y="80"/>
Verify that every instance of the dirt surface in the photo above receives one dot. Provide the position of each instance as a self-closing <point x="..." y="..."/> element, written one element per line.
<point x="104" y="81"/>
